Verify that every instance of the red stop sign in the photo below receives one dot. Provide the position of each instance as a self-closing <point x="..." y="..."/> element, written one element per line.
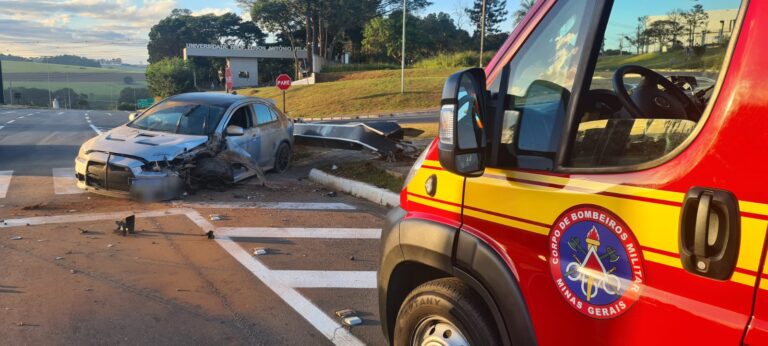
<point x="283" y="81"/>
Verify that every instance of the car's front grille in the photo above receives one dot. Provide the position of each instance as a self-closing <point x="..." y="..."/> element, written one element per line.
<point x="108" y="176"/>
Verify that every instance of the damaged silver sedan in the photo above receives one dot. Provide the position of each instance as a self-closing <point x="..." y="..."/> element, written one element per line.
<point x="186" y="142"/>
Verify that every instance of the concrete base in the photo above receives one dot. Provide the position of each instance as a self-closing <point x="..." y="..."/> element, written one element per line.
<point x="356" y="188"/>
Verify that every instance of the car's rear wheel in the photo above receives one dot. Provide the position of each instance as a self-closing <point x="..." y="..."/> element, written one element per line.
<point x="444" y="312"/>
<point x="282" y="158"/>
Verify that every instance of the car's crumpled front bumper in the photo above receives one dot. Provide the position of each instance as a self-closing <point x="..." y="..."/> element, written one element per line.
<point x="124" y="176"/>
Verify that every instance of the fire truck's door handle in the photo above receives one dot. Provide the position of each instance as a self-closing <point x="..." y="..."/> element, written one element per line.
<point x="710" y="232"/>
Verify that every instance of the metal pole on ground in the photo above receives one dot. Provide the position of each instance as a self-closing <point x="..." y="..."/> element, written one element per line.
<point x="402" y="53"/>
<point x="283" y="101"/>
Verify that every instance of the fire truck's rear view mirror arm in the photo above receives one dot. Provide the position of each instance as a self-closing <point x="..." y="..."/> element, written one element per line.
<point x="462" y="130"/>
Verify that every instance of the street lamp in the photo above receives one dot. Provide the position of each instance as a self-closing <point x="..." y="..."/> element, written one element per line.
<point x="402" y="52"/>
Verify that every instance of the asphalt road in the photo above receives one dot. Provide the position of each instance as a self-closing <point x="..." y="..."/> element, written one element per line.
<point x="68" y="278"/>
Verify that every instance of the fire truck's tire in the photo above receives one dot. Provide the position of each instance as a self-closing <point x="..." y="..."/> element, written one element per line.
<point x="438" y="309"/>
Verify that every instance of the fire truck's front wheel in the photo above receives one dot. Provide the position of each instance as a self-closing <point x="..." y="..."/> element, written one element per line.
<point x="444" y="312"/>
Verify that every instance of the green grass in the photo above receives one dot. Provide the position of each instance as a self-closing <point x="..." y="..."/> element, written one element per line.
<point x="368" y="92"/>
<point x="35" y="67"/>
<point x="368" y="172"/>
<point x="453" y="60"/>
<point x="675" y="60"/>
<point x="359" y="67"/>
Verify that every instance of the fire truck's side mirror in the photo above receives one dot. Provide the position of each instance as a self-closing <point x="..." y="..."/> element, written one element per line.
<point x="462" y="133"/>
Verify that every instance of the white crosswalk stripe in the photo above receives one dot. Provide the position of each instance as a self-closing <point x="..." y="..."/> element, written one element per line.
<point x="5" y="181"/>
<point x="64" y="181"/>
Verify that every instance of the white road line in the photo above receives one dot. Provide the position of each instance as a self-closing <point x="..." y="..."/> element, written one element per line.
<point x="60" y="113"/>
<point x="316" y="317"/>
<point x="5" y="181"/>
<point x="1" y="127"/>
<point x="266" y="205"/>
<point x="64" y="182"/>
<point x="274" y="232"/>
<point x="10" y="121"/>
<point x="70" y="218"/>
<point x="9" y="112"/>
<point x="325" y="278"/>
<point x="110" y="114"/>
<point x="94" y="128"/>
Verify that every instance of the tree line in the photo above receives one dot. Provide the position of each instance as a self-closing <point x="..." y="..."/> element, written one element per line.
<point x="677" y="30"/>
<point x="369" y="30"/>
<point x="73" y="60"/>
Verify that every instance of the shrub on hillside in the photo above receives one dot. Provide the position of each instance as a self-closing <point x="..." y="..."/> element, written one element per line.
<point x="451" y="60"/>
<point x="169" y="77"/>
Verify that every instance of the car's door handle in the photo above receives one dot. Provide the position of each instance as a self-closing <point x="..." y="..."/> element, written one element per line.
<point x="710" y="232"/>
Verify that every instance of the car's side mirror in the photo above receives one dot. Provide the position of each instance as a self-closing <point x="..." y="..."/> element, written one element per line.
<point x="462" y="132"/>
<point x="234" y="130"/>
<point x="132" y="116"/>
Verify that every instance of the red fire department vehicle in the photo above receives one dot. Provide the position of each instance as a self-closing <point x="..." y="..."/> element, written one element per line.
<point x="601" y="181"/>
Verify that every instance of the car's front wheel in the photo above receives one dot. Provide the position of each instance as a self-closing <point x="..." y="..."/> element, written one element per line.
<point x="282" y="158"/>
<point x="444" y="312"/>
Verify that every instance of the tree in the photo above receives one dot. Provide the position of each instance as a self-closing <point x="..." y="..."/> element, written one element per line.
<point x="695" y="18"/>
<point x="525" y="7"/>
<point x="676" y="29"/>
<point x="280" y="17"/>
<point x="495" y="13"/>
<point x="660" y="32"/>
<point x="169" y="77"/>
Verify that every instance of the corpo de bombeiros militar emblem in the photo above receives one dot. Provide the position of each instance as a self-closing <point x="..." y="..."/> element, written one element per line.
<point x="595" y="261"/>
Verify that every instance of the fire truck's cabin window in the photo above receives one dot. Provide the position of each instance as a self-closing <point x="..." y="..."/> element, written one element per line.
<point x="656" y="71"/>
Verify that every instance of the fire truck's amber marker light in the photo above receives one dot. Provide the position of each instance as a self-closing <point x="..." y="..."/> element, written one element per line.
<point x="446" y="124"/>
<point x="430" y="186"/>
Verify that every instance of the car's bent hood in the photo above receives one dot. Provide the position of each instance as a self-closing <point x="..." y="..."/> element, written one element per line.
<point x="149" y="145"/>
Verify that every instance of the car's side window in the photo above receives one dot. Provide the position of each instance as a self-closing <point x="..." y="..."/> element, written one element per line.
<point x="652" y="84"/>
<point x="242" y="117"/>
<point x="541" y="77"/>
<point x="263" y="114"/>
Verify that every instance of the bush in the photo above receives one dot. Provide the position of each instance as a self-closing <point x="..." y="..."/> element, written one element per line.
<point x="452" y="60"/>
<point x="169" y="77"/>
<point x="128" y="80"/>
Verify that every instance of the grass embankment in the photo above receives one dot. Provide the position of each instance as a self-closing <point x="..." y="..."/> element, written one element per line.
<point x="368" y="172"/>
<point x="366" y="92"/>
<point x="36" y="67"/>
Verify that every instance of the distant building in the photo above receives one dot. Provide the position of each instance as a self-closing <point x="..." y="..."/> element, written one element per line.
<point x="718" y="29"/>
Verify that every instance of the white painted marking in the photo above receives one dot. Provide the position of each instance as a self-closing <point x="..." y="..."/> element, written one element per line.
<point x="60" y="113"/>
<point x="316" y="317"/>
<point x="10" y="121"/>
<point x="64" y="181"/>
<point x="9" y="112"/>
<point x="325" y="278"/>
<point x="5" y="181"/>
<point x="95" y="129"/>
<point x="274" y="232"/>
<point x="266" y="205"/>
<point x="110" y="114"/>
<point x="1" y="127"/>
<point x="30" y="114"/>
<point x="43" y="220"/>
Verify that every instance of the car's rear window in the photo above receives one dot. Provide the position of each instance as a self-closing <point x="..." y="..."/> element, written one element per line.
<point x="181" y="117"/>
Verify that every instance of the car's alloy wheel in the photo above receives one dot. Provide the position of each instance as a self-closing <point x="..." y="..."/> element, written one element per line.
<point x="282" y="158"/>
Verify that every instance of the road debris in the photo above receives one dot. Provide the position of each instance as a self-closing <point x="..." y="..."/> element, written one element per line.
<point x="126" y="226"/>
<point x="331" y="194"/>
<point x="352" y="321"/>
<point x="59" y="258"/>
<point x="351" y="258"/>
<point x="215" y="217"/>
<point x="83" y="230"/>
<point x="41" y="240"/>
<point x="16" y="237"/>
<point x="71" y="211"/>
<point x="210" y="235"/>
<point x="259" y="251"/>
<point x="345" y="313"/>
<point x="73" y="271"/>
<point x="110" y="245"/>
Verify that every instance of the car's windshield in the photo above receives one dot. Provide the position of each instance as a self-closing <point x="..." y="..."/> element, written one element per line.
<point x="181" y="117"/>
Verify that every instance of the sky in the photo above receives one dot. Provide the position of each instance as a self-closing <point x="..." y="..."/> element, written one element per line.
<point x="110" y="28"/>
<point x="119" y="28"/>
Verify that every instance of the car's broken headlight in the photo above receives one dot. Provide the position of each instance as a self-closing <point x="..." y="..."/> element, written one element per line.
<point x="155" y="166"/>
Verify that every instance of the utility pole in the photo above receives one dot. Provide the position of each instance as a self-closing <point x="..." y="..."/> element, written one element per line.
<point x="69" y="97"/>
<point x="482" y="32"/>
<point x="50" y="96"/>
<point x="10" y="92"/>
<point x="2" y="89"/>
<point x="402" y="52"/>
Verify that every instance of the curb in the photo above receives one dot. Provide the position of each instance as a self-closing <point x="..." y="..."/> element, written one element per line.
<point x="355" y="188"/>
